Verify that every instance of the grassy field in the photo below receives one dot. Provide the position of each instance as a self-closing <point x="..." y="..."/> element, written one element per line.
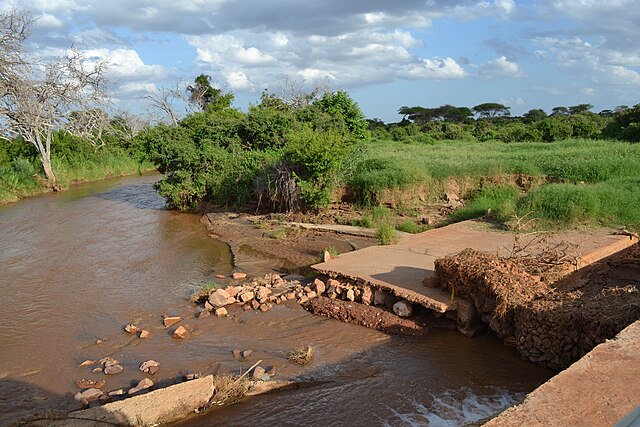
<point x="563" y="184"/>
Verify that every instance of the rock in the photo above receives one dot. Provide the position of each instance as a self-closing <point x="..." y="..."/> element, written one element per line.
<point x="204" y="314"/>
<point x="232" y="291"/>
<point x="87" y="363"/>
<point x="236" y="354"/>
<point x="92" y="394"/>
<point x="262" y="293"/>
<point x="221" y="312"/>
<point x="246" y="307"/>
<point x="311" y="294"/>
<point x="144" y="334"/>
<point x="208" y="306"/>
<point x="219" y="276"/>
<point x="142" y="385"/>
<point x="326" y="256"/>
<point x="231" y="300"/>
<point x="118" y="392"/>
<point x="319" y="286"/>
<point x="378" y="297"/>
<point x="367" y="295"/>
<point x="80" y="398"/>
<point x="190" y="377"/>
<point x="131" y="328"/>
<point x="302" y="299"/>
<point x="98" y="342"/>
<point x="403" y="308"/>
<point x="246" y="296"/>
<point x="96" y="370"/>
<point x="389" y="300"/>
<point x="257" y="373"/>
<point x="113" y="369"/>
<point x="85" y="383"/>
<point x="290" y="295"/>
<point x="181" y="332"/>
<point x="147" y="365"/>
<point x="265" y="307"/>
<point x="219" y="298"/>
<point x="255" y="304"/>
<point x="239" y="276"/>
<point x="272" y="371"/>
<point x="307" y="289"/>
<point x="334" y="283"/>
<point x="246" y="354"/>
<point x="351" y="296"/>
<point x="153" y="370"/>
<point x="170" y="320"/>
<point x="293" y="277"/>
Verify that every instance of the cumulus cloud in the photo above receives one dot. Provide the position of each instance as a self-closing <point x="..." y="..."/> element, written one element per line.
<point x="435" y="68"/>
<point x="47" y="21"/>
<point x="500" y="67"/>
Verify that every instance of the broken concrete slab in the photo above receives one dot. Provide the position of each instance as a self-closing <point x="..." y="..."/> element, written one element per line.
<point x="160" y="406"/>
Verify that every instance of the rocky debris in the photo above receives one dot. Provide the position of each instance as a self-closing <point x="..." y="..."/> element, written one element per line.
<point x="403" y="309"/>
<point x="144" y="334"/>
<point x="96" y="370"/>
<point x="367" y="295"/>
<point x="98" y="342"/>
<point x="319" y="286"/>
<point x="181" y="333"/>
<point x="231" y="290"/>
<point x="326" y="256"/>
<point x="87" y="363"/>
<point x="131" y="328"/>
<point x="110" y="366"/>
<point x="369" y="316"/>
<point x="236" y="354"/>
<point x="351" y="296"/>
<point x="149" y="367"/>
<point x="389" y="300"/>
<point x="262" y="293"/>
<point x="190" y="377"/>
<point x="379" y="297"/>
<point x="144" y="384"/>
<point x="170" y="320"/>
<point x="208" y="306"/>
<point x="271" y="371"/>
<point x="246" y="296"/>
<point x="219" y="298"/>
<point x="239" y="276"/>
<point x="203" y="314"/>
<point x="86" y="383"/>
<point x="221" y="312"/>
<point x="220" y="276"/>
<point x="246" y="353"/>
<point x="118" y="392"/>
<point x="258" y="372"/>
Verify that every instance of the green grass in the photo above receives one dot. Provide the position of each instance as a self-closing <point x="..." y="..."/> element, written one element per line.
<point x="386" y="234"/>
<point x="409" y="226"/>
<point x="577" y="181"/>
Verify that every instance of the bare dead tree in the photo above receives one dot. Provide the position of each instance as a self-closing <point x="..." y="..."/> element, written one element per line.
<point x="294" y="93"/>
<point x="37" y="99"/>
<point x="126" y="126"/>
<point x="90" y="124"/>
<point x="163" y="101"/>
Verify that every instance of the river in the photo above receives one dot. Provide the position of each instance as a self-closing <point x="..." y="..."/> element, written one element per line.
<point x="77" y="266"/>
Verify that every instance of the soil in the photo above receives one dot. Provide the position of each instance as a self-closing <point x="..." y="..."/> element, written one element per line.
<point x="373" y="317"/>
<point x="265" y="243"/>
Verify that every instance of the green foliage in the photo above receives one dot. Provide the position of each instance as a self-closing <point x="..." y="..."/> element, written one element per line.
<point x="502" y="201"/>
<point x="409" y="226"/>
<point x="339" y="104"/>
<point x="386" y="234"/>
<point x="625" y="125"/>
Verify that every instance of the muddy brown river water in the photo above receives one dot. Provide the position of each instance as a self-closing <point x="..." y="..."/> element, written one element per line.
<point x="76" y="266"/>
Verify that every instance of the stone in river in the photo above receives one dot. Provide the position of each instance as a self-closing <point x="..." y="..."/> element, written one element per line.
<point x="92" y="394"/>
<point x="113" y="369"/>
<point x="131" y="328"/>
<point x="219" y="298"/>
<point x="204" y="314"/>
<point x="239" y="276"/>
<point x="86" y="383"/>
<point x="142" y="385"/>
<point x="181" y="332"/>
<point x="87" y="363"/>
<point x="170" y="320"/>
<point x="147" y="366"/>
<point x="257" y="373"/>
<point x="221" y="312"/>
<point x="118" y="392"/>
<point x="144" y="334"/>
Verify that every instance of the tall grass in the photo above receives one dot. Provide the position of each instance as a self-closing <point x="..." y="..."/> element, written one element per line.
<point x="578" y="181"/>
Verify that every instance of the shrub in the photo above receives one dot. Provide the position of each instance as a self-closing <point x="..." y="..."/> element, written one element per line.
<point x="386" y="234"/>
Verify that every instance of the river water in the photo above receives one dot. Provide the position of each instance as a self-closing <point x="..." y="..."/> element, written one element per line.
<point x="77" y="266"/>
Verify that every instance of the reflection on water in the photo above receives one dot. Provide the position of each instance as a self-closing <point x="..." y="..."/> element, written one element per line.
<point x="77" y="266"/>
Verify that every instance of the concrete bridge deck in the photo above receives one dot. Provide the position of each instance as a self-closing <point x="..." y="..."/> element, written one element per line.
<point x="402" y="268"/>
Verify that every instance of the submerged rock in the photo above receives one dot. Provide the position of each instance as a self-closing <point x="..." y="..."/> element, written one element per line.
<point x="181" y="332"/>
<point x="113" y="369"/>
<point x="86" y="383"/>
<point x="144" y="334"/>
<point x="239" y="276"/>
<point x="92" y="394"/>
<point x="221" y="312"/>
<point x="257" y="373"/>
<point x="149" y="367"/>
<point x="170" y="320"/>
<point x="219" y="298"/>
<point x="87" y="363"/>
<point x="131" y="328"/>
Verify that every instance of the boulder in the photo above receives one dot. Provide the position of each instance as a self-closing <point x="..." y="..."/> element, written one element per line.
<point x="170" y="320"/>
<point x="333" y="282"/>
<point x="92" y="394"/>
<point x="208" y="306"/>
<point x="181" y="332"/>
<point x="389" y="300"/>
<point x="236" y="354"/>
<point x="326" y="256"/>
<point x="231" y="290"/>
<point x="204" y="314"/>
<point x="221" y="312"/>
<point x="80" y="398"/>
<point x="403" y="308"/>
<point x="144" y="334"/>
<point x="351" y="296"/>
<point x="246" y="354"/>
<point x="131" y="328"/>
<point x="319" y="286"/>
<point x="144" y="384"/>
<point x="378" y="297"/>
<point x="367" y="295"/>
<point x="262" y="293"/>
<point x="219" y="298"/>
<point x="246" y="296"/>
<point x="239" y="276"/>
<point x="255" y="304"/>
<point x="147" y="366"/>
<point x="96" y="370"/>
<point x="257" y="373"/>
<point x="113" y="369"/>
<point x="311" y="294"/>
<point x="303" y="299"/>
<point x="265" y="307"/>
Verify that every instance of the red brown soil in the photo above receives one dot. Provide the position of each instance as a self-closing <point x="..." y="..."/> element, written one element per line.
<point x="370" y="316"/>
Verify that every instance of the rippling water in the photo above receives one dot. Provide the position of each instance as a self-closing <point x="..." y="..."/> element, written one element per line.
<point x="76" y="266"/>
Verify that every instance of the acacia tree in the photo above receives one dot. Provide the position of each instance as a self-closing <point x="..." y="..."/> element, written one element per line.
<point x="489" y="110"/>
<point x="36" y="99"/>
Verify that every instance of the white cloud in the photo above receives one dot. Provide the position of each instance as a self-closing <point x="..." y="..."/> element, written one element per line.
<point x="435" y="68"/>
<point x="500" y="67"/>
<point x="47" y="21"/>
<point x="125" y="64"/>
<point x="503" y="9"/>
<point x="238" y="80"/>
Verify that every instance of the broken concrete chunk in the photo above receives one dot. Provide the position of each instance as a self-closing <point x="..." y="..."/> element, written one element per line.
<point x="170" y="320"/>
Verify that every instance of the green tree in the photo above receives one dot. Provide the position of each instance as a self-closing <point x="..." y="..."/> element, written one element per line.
<point x="340" y="104"/>
<point x="534" y="115"/>
<point x="490" y="110"/>
<point x="207" y="98"/>
<point x="580" y="108"/>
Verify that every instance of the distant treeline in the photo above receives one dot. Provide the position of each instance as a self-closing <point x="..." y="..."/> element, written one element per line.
<point x="493" y="121"/>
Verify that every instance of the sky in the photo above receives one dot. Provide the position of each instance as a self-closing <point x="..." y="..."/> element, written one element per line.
<point x="385" y="53"/>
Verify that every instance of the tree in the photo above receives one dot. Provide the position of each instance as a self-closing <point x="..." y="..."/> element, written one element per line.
<point x="38" y="99"/>
<point x="534" y="115"/>
<point x="580" y="108"/>
<point x="163" y="101"/>
<point x="490" y="110"/>
<point x="339" y="104"/>
<point x="559" y="111"/>
<point x="206" y="97"/>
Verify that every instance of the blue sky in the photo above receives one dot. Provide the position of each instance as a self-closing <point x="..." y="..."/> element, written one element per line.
<point x="386" y="53"/>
